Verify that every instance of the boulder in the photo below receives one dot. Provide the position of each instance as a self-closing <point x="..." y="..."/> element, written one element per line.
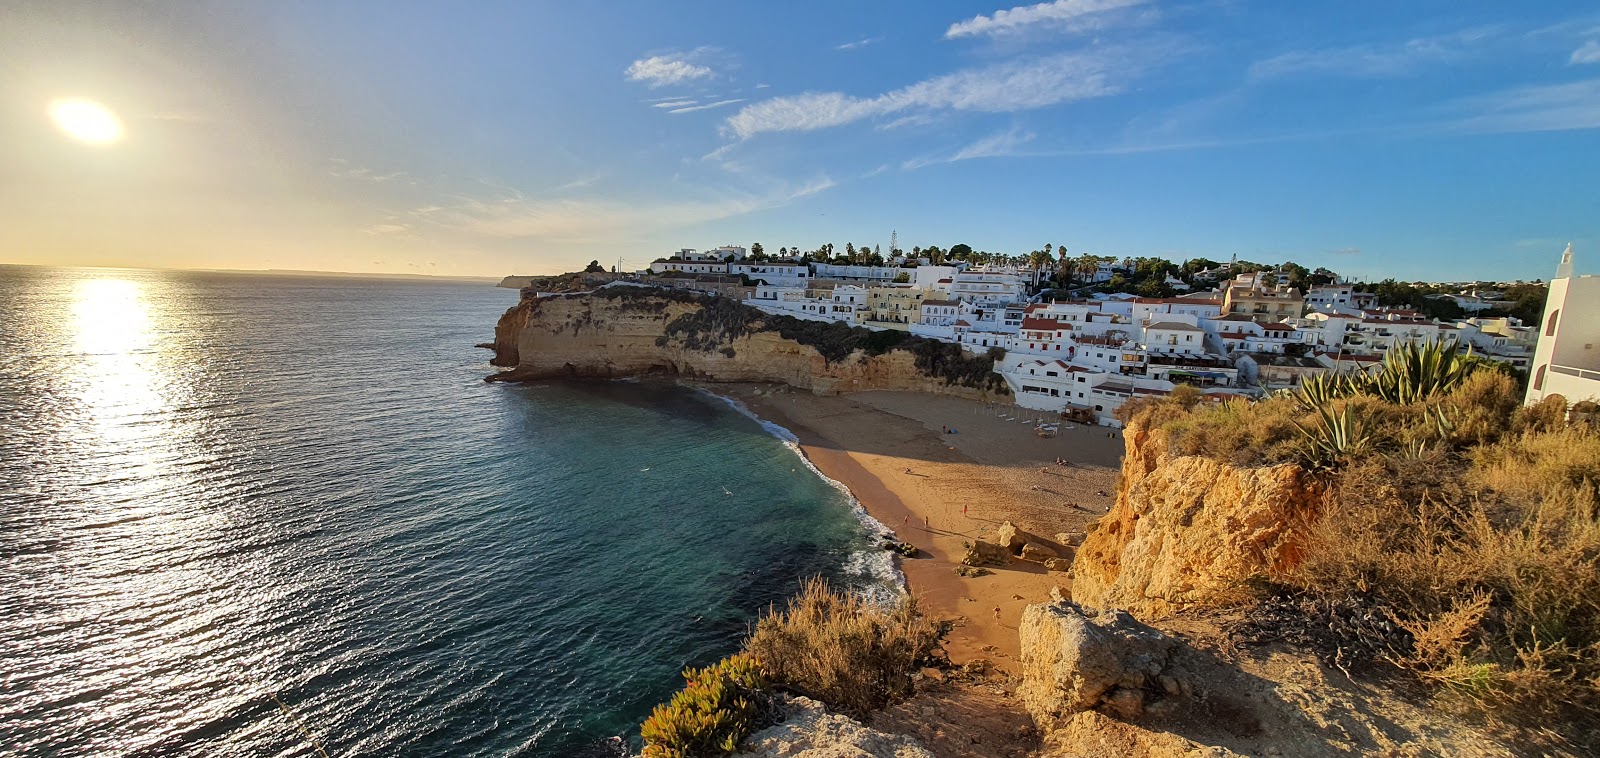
<point x="981" y="553"/>
<point x="1075" y="660"/>
<point x="808" y="730"/>
<point x="904" y="548"/>
<point x="1070" y="539"/>
<point x="1033" y="551"/>
<point x="1009" y="537"/>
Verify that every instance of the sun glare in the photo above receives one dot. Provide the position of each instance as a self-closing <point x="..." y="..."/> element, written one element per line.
<point x="87" y="121"/>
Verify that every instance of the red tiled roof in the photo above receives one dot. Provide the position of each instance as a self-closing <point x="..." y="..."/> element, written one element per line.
<point x="1038" y="324"/>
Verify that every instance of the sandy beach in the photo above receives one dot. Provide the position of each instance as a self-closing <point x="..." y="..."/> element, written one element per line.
<point x="938" y="490"/>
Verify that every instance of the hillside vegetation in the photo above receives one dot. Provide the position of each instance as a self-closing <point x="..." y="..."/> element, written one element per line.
<point x="1459" y="541"/>
<point x="827" y="645"/>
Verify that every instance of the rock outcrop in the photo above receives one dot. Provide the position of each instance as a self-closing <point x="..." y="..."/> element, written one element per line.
<point x="1188" y="530"/>
<point x="980" y="553"/>
<point x="810" y="731"/>
<point x="1075" y="660"/>
<point x="604" y="335"/>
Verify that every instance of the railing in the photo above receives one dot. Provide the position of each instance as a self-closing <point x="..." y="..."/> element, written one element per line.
<point x="1578" y="372"/>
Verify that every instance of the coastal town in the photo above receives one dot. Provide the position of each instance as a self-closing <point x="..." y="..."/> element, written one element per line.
<point x="1066" y="341"/>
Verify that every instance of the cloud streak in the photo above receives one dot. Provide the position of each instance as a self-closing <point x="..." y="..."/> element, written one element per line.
<point x="1374" y="61"/>
<point x="662" y="70"/>
<point x="993" y="146"/>
<point x="1000" y="88"/>
<point x="1072" y="15"/>
<point x="858" y="44"/>
<point x="707" y="106"/>
<point x="1589" y="53"/>
<point x="512" y="216"/>
<point x="1536" y="108"/>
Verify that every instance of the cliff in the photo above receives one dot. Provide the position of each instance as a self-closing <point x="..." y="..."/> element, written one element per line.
<point x="625" y="331"/>
<point x="1187" y="529"/>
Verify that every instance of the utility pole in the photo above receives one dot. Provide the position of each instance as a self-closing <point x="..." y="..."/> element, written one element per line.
<point x="894" y="242"/>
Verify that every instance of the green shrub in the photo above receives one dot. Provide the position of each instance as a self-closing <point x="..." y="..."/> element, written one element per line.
<point x="718" y="706"/>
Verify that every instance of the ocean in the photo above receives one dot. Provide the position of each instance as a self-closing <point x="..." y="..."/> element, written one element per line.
<point x="274" y="516"/>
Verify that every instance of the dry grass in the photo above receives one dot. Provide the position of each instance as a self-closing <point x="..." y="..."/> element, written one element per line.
<point x="1472" y="522"/>
<point x="843" y="651"/>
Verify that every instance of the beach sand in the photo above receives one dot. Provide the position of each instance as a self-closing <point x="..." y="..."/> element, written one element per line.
<point x="938" y="490"/>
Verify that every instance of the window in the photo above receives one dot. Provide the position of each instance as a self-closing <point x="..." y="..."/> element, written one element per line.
<point x="1538" y="377"/>
<point x="1550" y="328"/>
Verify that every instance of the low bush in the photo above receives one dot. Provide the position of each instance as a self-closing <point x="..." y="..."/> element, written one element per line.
<point x="1461" y="543"/>
<point x="844" y="651"/>
<point x="718" y="706"/>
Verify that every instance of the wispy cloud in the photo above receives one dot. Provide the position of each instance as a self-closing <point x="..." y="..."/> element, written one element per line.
<point x="717" y="104"/>
<point x="992" y="146"/>
<point x="1589" y="53"/>
<point x="1375" y="60"/>
<point x="1536" y="108"/>
<point x="514" y="216"/>
<point x="1072" y="15"/>
<point x="1000" y="88"/>
<point x="673" y="103"/>
<point x="860" y="43"/>
<point x="382" y="230"/>
<point x="672" y="68"/>
<point x="1345" y="251"/>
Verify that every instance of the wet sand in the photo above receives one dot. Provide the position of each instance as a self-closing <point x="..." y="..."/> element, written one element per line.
<point x="937" y="491"/>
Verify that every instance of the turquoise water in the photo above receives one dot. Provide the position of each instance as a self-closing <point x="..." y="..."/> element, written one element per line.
<point x="252" y="515"/>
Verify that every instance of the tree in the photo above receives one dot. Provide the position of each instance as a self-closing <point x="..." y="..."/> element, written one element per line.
<point x="875" y="259"/>
<point x="755" y="248"/>
<point x="594" y="267"/>
<point x="850" y="251"/>
<point x="961" y="252"/>
<point x="902" y="278"/>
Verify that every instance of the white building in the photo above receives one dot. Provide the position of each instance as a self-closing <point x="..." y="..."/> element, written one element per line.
<point x="1567" y="360"/>
<point x="727" y="251"/>
<point x="1504" y="339"/>
<point x="933" y="277"/>
<point x="780" y="273"/>
<point x="988" y="286"/>
<point x="847" y="273"/>
<point x="696" y="265"/>
<point x="1332" y="298"/>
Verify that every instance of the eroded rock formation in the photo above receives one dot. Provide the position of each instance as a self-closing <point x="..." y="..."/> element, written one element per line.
<point x="606" y="335"/>
<point x="1188" y="530"/>
<point x="810" y="731"/>
<point x="1075" y="660"/>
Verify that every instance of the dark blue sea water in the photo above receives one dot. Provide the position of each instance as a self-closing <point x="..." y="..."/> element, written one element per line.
<point x="252" y="516"/>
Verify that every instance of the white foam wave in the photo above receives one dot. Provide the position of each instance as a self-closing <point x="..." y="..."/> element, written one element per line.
<point x="886" y="583"/>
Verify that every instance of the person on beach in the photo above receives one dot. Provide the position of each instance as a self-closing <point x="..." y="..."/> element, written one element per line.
<point x="997" y="613"/>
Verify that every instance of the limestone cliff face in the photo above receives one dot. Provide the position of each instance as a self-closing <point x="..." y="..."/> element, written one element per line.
<point x="591" y="336"/>
<point x="1187" y="530"/>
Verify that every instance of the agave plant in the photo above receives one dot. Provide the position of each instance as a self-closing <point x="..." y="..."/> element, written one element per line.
<point x="1317" y="391"/>
<point x="1417" y="371"/>
<point x="1335" y="439"/>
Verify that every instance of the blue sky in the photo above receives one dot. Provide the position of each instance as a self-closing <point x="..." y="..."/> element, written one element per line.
<point x="1435" y="140"/>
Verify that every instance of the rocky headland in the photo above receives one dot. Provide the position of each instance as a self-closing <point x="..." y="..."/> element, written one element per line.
<point x="631" y="331"/>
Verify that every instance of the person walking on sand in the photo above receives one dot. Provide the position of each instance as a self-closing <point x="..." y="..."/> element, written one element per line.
<point x="997" y="613"/>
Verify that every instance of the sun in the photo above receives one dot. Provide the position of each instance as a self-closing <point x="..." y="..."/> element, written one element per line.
<point x="86" y="120"/>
